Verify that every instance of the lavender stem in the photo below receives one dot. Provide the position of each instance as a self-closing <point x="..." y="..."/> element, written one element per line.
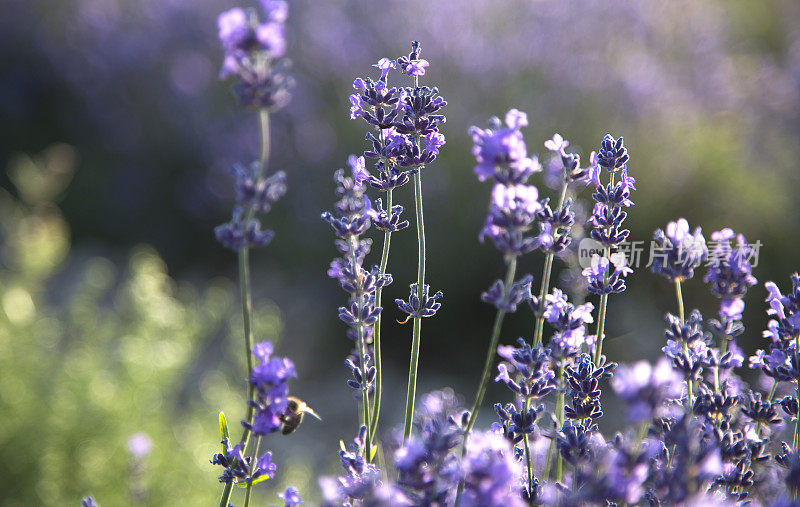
<point x="415" y="341"/>
<point x="376" y="409"/>
<point x="548" y="267"/>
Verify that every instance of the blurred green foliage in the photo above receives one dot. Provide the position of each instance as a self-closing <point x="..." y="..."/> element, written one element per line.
<point x="88" y="361"/>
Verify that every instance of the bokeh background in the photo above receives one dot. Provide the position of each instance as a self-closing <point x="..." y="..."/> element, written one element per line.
<point x="118" y="311"/>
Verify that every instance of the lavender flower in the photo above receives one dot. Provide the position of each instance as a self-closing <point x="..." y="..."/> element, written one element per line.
<point x="362" y="483"/>
<point x="242" y="232"/>
<point x="610" y="199"/>
<point x="252" y="49"/>
<point x="730" y="271"/>
<point x="291" y="497"/>
<point x="418" y="307"/>
<point x="490" y="472"/>
<point x="569" y="322"/>
<point x="508" y="300"/>
<point x="677" y="252"/>
<point x="269" y="379"/>
<point x="583" y="380"/>
<point x="601" y="279"/>
<point x="237" y="466"/>
<point x="534" y="366"/>
<point x="89" y="501"/>
<point x="512" y="213"/>
<point x="649" y="391"/>
<point x="687" y="346"/>
<point x="501" y="152"/>
<point x="427" y="464"/>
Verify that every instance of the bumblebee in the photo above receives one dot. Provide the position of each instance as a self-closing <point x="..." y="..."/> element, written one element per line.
<point x="296" y="409"/>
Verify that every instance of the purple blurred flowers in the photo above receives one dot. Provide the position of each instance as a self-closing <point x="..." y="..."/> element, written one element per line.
<point x="252" y="50"/>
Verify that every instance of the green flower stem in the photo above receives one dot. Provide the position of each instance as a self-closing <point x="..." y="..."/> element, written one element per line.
<point x="415" y="340"/>
<point x="796" y="441"/>
<point x="247" y="297"/>
<point x="511" y="269"/>
<point x="247" y="317"/>
<point x="560" y="420"/>
<point x="601" y="317"/>
<point x="376" y="408"/>
<point x="682" y="316"/>
<point x="362" y="351"/>
<point x="528" y="460"/>
<point x="548" y="267"/>
<point x="769" y="399"/>
<point x="226" y="495"/>
<point x="252" y="467"/>
<point x="244" y="278"/>
<point x="491" y="353"/>
<point x="601" y="314"/>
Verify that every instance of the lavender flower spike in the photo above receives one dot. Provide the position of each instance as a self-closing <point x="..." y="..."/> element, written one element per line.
<point x="677" y="252"/>
<point x="418" y="307"/>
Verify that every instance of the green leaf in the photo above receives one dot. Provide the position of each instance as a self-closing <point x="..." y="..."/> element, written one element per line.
<point x="223" y="426"/>
<point x="261" y="479"/>
<point x="372" y="452"/>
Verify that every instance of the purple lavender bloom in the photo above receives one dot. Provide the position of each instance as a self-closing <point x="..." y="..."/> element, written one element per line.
<point x="433" y="141"/>
<point x="418" y="307"/>
<point x="291" y="497"/>
<point x="518" y="293"/>
<point x="385" y="65"/>
<point x="362" y="483"/>
<point x="389" y="220"/>
<point x="251" y="48"/>
<point x="512" y="213"/>
<point x="677" y="252"/>
<point x="534" y="366"/>
<point x="557" y="144"/>
<point x="269" y="379"/>
<point x="569" y="322"/>
<point x="608" y="214"/>
<point x="427" y="464"/>
<point x="234" y="29"/>
<point x="583" y="379"/>
<point x="501" y="152"/>
<point x="89" y="501"/>
<point x="785" y="309"/>
<point x="490" y="472"/>
<point x="612" y="154"/>
<point x="649" y="391"/>
<point x="272" y="39"/>
<point x="242" y="233"/>
<point x="416" y="68"/>
<point x="237" y="466"/>
<point x="600" y="268"/>
<point x="730" y="272"/>
<point x="686" y="344"/>
<point x="256" y="192"/>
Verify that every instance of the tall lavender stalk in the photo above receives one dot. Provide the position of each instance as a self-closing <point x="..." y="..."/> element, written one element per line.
<point x="252" y="52"/>
<point x="402" y="118"/>
<point x="502" y="156"/>
<point x="418" y="123"/>
<point x="558" y="222"/>
<point x="676" y="254"/>
<point x="607" y="219"/>
<point x="350" y="219"/>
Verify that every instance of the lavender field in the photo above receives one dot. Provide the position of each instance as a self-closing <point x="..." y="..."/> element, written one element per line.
<point x="399" y="253"/>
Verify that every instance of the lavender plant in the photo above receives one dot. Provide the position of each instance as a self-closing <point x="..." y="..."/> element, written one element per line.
<point x="700" y="436"/>
<point x="403" y="118"/>
<point x="253" y="51"/>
